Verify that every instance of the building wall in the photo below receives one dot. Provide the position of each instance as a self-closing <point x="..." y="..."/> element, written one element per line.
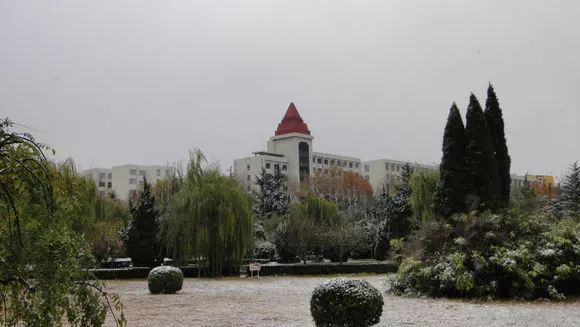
<point x="247" y="169"/>
<point x="103" y="179"/>
<point x="287" y="145"/>
<point x="128" y="179"/>
<point x="322" y="162"/>
<point x="387" y="171"/>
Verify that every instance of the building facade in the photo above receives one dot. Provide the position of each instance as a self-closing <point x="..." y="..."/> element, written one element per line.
<point x="291" y="151"/>
<point x="126" y="180"/>
<point x="387" y="172"/>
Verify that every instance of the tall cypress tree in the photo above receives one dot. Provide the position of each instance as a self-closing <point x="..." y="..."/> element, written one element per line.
<point x="140" y="236"/>
<point x="450" y="194"/>
<point x="482" y="178"/>
<point x="495" y="124"/>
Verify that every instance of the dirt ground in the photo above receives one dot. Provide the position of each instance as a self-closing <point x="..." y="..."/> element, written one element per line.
<point x="285" y="301"/>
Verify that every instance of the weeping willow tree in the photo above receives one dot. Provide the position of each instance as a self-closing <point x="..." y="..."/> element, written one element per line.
<point x="423" y="186"/>
<point x="209" y="218"/>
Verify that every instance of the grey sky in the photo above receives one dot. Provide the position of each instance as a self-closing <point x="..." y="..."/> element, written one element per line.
<point x="115" y="82"/>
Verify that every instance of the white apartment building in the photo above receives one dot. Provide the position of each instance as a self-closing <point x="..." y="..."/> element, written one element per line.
<point x="126" y="180"/>
<point x="382" y="172"/>
<point x="103" y="178"/>
<point x="290" y="150"/>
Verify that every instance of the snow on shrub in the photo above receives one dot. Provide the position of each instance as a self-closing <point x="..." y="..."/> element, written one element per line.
<point x="165" y="279"/>
<point x="265" y="250"/>
<point x="346" y="302"/>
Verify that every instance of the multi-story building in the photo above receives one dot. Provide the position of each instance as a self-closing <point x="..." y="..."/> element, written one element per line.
<point x="290" y="150"/>
<point x="126" y="180"/>
<point x="103" y="178"/>
<point x="384" y="172"/>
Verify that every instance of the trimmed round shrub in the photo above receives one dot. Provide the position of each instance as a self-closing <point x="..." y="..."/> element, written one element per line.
<point x="165" y="279"/>
<point x="346" y="302"/>
<point x="265" y="250"/>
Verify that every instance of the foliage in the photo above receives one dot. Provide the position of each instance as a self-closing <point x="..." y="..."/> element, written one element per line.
<point x="569" y="200"/>
<point x="342" y="187"/>
<point x="495" y="124"/>
<point x="42" y="281"/>
<point x="306" y="229"/>
<point x="140" y="235"/>
<point x="272" y="199"/>
<point x="210" y="217"/>
<point x="346" y="302"/>
<point x="515" y="254"/>
<point x="423" y="187"/>
<point x="395" y="212"/>
<point x="165" y="279"/>
<point x="265" y="250"/>
<point x="450" y="194"/>
<point x="523" y="198"/>
<point x="482" y="174"/>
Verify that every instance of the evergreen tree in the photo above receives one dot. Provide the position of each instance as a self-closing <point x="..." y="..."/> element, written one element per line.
<point x="482" y="178"/>
<point x="404" y="183"/>
<point x="451" y="191"/>
<point x="272" y="197"/>
<point x="495" y="124"/>
<point x="140" y="236"/>
<point x="570" y="192"/>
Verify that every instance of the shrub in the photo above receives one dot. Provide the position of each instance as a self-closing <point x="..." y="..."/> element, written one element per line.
<point x="346" y="302"/>
<point x="165" y="279"/>
<point x="511" y="255"/>
<point x="265" y="250"/>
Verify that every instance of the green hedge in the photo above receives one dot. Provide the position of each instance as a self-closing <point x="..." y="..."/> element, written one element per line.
<point x="346" y="302"/>
<point x="165" y="279"/>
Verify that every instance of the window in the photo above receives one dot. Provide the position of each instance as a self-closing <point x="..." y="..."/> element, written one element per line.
<point x="356" y="165"/>
<point x="276" y="166"/>
<point x="101" y="184"/>
<point x="102" y="193"/>
<point x="332" y="162"/>
<point x="133" y="172"/>
<point x="320" y="161"/>
<point x="102" y="175"/>
<point x="158" y="172"/>
<point x="326" y="161"/>
<point x="249" y="178"/>
<point x="109" y="185"/>
<point x="344" y="163"/>
<point x="284" y="167"/>
<point x="314" y="160"/>
<point x="132" y="181"/>
<point x="248" y="167"/>
<point x="367" y="178"/>
<point x="366" y="168"/>
<point x="140" y="183"/>
<point x="110" y="175"/>
<point x="350" y="164"/>
<point x="141" y="173"/>
<point x="268" y="165"/>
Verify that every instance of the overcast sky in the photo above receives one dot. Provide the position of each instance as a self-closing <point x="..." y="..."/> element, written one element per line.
<point x="116" y="82"/>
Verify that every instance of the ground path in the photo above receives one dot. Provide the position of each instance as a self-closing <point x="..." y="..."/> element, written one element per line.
<point x="285" y="301"/>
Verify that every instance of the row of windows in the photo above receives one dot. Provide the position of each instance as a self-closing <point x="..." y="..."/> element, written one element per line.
<point x="339" y="163"/>
<point x="102" y="184"/>
<point x="133" y="172"/>
<point x="105" y="175"/>
<point x="269" y="166"/>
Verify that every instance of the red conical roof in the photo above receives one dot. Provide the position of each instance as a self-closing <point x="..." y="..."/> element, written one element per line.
<point x="292" y="122"/>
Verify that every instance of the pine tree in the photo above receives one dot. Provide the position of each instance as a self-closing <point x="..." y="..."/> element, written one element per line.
<point x="482" y="178"/>
<point x="140" y="236"/>
<point x="403" y="185"/>
<point x="495" y="124"/>
<point x="450" y="194"/>
<point x="570" y="192"/>
<point x="272" y="197"/>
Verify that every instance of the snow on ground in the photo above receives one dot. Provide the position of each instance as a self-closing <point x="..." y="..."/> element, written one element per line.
<point x="285" y="301"/>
